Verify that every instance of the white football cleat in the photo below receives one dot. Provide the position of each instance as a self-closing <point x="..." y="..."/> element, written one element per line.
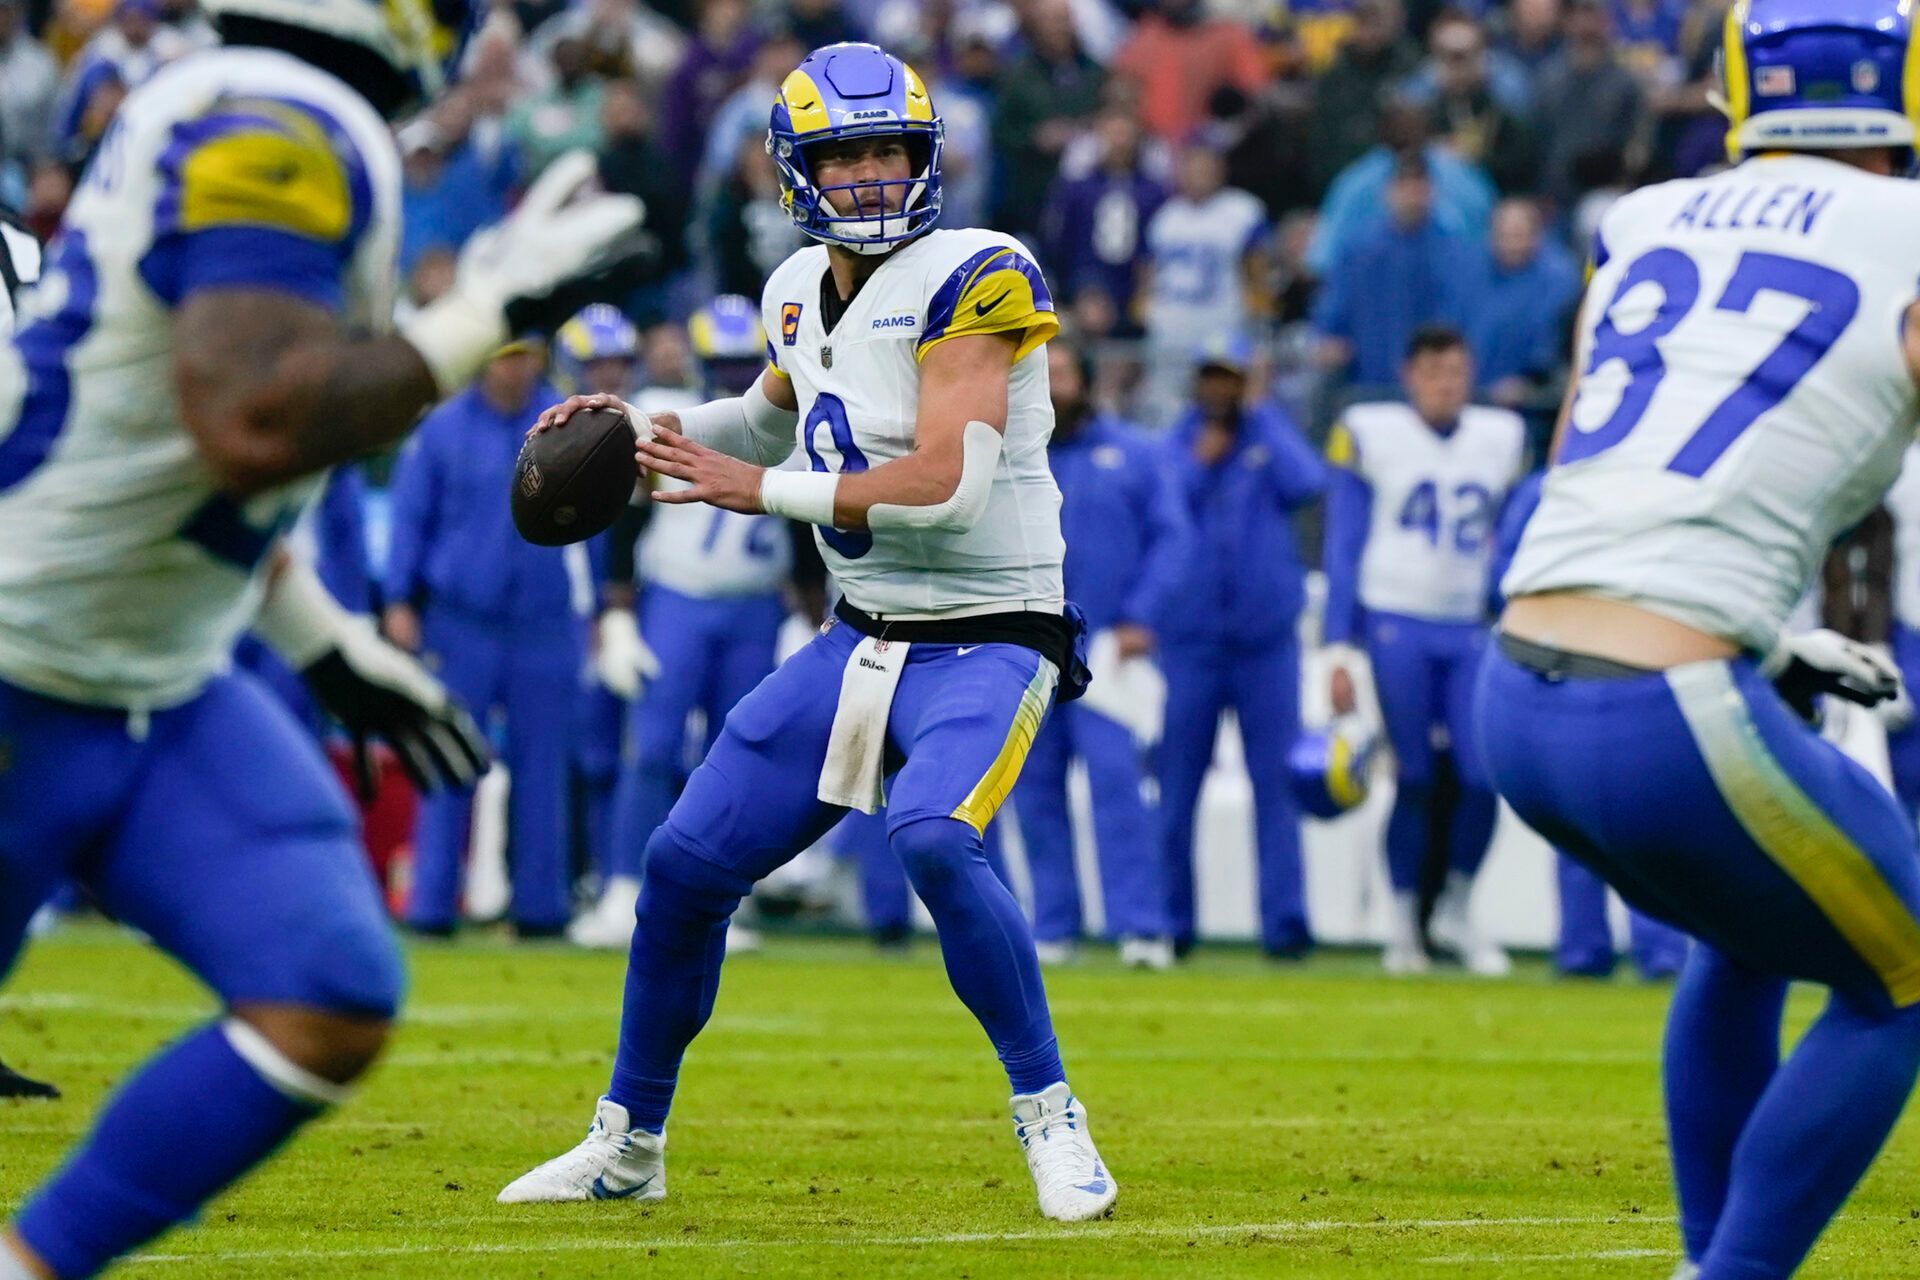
<point x="1403" y="961"/>
<point x="1405" y="953"/>
<point x="1054" y="953"/>
<point x="613" y="1162"/>
<point x="1686" y="1271"/>
<point x="1453" y="928"/>
<point x="1155" y="954"/>
<point x="741" y="939"/>
<point x="608" y="924"/>
<point x="1072" y="1182"/>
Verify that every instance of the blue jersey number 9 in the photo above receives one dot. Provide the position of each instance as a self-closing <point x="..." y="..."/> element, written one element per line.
<point x="831" y="410"/>
<point x="1832" y="299"/>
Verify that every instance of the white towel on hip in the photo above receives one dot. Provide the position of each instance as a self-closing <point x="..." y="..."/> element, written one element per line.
<point x="852" y="774"/>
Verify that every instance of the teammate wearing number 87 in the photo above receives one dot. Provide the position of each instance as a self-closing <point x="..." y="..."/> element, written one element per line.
<point x="906" y="367"/>
<point x="1748" y="355"/>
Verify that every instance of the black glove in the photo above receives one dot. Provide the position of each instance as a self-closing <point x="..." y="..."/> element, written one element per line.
<point x="376" y="691"/>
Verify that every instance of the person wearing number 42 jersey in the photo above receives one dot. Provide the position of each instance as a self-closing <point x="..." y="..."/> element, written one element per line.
<point x="1748" y="356"/>
<point x="1416" y="490"/>
<point x="209" y="336"/>
<point x="906" y="367"/>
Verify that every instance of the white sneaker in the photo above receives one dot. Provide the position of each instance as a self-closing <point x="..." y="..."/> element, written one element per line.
<point x="1155" y="954"/>
<point x="1453" y="928"/>
<point x="1686" y="1271"/>
<point x="608" y="924"/>
<point x="1402" y="961"/>
<point x="1072" y="1182"/>
<point x="741" y="939"/>
<point x="613" y="1162"/>
<point x="1054" y="953"/>
<point x="1405" y="953"/>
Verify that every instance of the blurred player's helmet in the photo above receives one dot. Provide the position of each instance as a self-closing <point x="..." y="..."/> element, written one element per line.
<point x="601" y="332"/>
<point x="727" y="336"/>
<point x="850" y="91"/>
<point x="1818" y="75"/>
<point x="1329" y="769"/>
<point x="396" y="53"/>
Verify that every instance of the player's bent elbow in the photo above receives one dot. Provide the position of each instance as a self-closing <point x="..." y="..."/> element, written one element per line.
<point x="961" y="510"/>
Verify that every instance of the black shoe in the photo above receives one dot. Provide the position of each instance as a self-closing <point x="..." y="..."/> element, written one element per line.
<point x="15" y="1085"/>
<point x="894" y="937"/>
<point x="539" y="932"/>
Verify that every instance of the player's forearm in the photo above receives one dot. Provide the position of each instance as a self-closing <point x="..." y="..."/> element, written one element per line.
<point x="924" y="478"/>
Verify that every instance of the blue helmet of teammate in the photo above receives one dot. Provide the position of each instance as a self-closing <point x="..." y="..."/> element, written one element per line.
<point x="1818" y="75"/>
<point x="396" y="53"/>
<point x="1329" y="769"/>
<point x="727" y="336"/>
<point x="856" y="91"/>
<point x="601" y="332"/>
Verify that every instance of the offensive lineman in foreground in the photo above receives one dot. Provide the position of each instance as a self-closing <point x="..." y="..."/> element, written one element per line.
<point x="180" y="380"/>
<point x="1749" y="353"/>
<point x="912" y="362"/>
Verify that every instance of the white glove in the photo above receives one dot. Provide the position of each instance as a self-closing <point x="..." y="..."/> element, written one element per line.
<point x="1897" y="713"/>
<point x="621" y="659"/>
<point x="508" y="272"/>
<point x="1805" y="666"/>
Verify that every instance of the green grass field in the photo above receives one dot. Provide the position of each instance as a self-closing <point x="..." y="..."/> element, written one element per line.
<point x="843" y="1116"/>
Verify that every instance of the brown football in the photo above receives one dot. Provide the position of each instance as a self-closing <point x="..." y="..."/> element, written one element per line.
<point x="572" y="482"/>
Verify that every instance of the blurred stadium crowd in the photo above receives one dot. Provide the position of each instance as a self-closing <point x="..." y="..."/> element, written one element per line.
<point x="1249" y="213"/>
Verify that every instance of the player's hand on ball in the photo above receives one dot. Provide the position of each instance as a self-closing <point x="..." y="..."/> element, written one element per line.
<point x="556" y="415"/>
<point x="716" y="478"/>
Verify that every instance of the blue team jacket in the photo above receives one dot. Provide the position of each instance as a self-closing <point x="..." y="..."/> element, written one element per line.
<point x="1242" y="580"/>
<point x="453" y="540"/>
<point x="1125" y="526"/>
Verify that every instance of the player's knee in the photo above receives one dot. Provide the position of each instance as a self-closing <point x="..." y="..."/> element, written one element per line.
<point x="936" y="853"/>
<point x="352" y="968"/>
<point x="304" y="1052"/>
<point x="679" y="886"/>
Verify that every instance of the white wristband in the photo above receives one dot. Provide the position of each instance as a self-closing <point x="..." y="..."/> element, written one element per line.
<point x="806" y="496"/>
<point x="299" y="620"/>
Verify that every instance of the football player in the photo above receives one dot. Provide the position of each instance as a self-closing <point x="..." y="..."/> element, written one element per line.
<point x="1410" y="524"/>
<point x="190" y="364"/>
<point x="910" y="362"/>
<point x="1748" y="357"/>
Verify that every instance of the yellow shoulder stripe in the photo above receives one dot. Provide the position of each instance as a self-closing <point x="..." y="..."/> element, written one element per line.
<point x="273" y="166"/>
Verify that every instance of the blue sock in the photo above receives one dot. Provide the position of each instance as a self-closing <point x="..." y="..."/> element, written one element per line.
<point x="192" y="1120"/>
<point x="986" y="944"/>
<point x="1407" y="828"/>
<point x="1722" y="1049"/>
<point x="1470" y="829"/>
<point x="1818" y="1126"/>
<point x="673" y="975"/>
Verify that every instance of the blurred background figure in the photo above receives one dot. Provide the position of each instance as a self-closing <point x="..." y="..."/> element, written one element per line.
<point x="1228" y="641"/>
<point x="1094" y="229"/>
<point x="1517" y="322"/>
<point x="1126" y="530"/>
<point x="498" y="620"/>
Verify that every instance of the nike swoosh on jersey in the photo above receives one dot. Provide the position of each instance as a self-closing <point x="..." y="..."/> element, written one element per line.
<point x="965" y="649"/>
<point x="981" y="308"/>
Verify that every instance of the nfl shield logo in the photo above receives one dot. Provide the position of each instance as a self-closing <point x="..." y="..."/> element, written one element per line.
<point x="1774" y="82"/>
<point x="826" y="357"/>
<point x="1866" y="77"/>
<point x="879" y="646"/>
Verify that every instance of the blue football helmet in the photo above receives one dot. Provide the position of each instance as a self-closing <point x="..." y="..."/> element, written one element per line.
<point x="1330" y="769"/>
<point x="600" y="332"/>
<point x="1819" y="75"/>
<point x="732" y="345"/>
<point x="396" y="53"/>
<point x="853" y="91"/>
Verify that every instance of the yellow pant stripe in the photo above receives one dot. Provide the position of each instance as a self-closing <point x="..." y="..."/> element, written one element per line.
<point x="990" y="792"/>
<point x="1795" y="833"/>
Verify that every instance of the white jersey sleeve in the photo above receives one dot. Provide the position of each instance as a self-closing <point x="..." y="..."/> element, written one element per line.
<point x="1744" y="395"/>
<point x="858" y="388"/>
<point x="1436" y="502"/>
<point x="125" y="577"/>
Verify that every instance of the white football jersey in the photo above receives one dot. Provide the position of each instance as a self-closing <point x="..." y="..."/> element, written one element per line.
<point x="19" y="267"/>
<point x="1436" y="502"/>
<point x="859" y="395"/>
<point x="1903" y="504"/>
<point x="1745" y="395"/>
<point x="699" y="550"/>
<point x="124" y="576"/>
<point x="1196" y="249"/>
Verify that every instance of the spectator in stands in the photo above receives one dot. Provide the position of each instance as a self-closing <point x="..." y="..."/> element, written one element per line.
<point x="1517" y="325"/>
<point x="1472" y="115"/>
<point x="1374" y="57"/>
<point x="1094" y="238"/>
<point x="1586" y="102"/>
<point x="714" y="64"/>
<point x="813" y="23"/>
<point x="29" y="83"/>
<point x="1530" y="34"/>
<point x="1206" y="278"/>
<point x="1178" y="56"/>
<point x="744" y="114"/>
<point x="1356" y="205"/>
<point x="625" y="39"/>
<point x="495" y="614"/>
<point x="746" y="232"/>
<point x="1126" y="529"/>
<point x="1040" y="101"/>
<point x="633" y="163"/>
<point x="1407" y="273"/>
<point x="117" y="60"/>
<point x="1265" y="136"/>
<point x="564" y="117"/>
<point x="454" y="182"/>
<point x="1228" y="639"/>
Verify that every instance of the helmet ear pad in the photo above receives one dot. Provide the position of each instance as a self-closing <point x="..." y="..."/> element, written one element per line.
<point x="390" y="91"/>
